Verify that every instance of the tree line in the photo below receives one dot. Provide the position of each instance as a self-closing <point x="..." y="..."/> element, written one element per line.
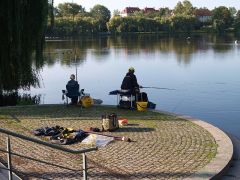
<point x="70" y="19"/>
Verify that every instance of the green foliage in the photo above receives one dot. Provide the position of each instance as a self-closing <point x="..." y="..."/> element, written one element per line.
<point x="27" y="99"/>
<point x="132" y="24"/>
<point x="222" y="18"/>
<point x="14" y="98"/>
<point x="51" y="14"/>
<point x="102" y="14"/>
<point x="238" y="14"/>
<point x="236" y="23"/>
<point x="23" y="24"/>
<point x="163" y="12"/>
<point x="188" y="8"/>
<point x="143" y="24"/>
<point x="182" y="18"/>
<point x="66" y="26"/>
<point x="233" y="11"/>
<point x="219" y="25"/>
<point x="184" y="8"/>
<point x="183" y="23"/>
<point x="69" y="9"/>
<point x="116" y="13"/>
<point x="178" y="9"/>
<point x="139" y="14"/>
<point x="164" y="24"/>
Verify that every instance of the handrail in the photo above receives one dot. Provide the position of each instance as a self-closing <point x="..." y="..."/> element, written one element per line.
<point x="54" y="146"/>
<point x="37" y="160"/>
<point x="78" y="151"/>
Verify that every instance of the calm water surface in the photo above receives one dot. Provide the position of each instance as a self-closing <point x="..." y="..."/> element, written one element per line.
<point x="205" y="71"/>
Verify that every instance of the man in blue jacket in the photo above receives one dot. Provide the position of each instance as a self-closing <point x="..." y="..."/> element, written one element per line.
<point x="73" y="89"/>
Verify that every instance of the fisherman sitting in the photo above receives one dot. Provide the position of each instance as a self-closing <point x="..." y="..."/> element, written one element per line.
<point x="129" y="90"/>
<point x="129" y="83"/>
<point x="73" y="90"/>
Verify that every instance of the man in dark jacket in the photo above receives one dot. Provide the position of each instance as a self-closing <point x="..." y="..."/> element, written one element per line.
<point x="129" y="83"/>
<point x="73" y="89"/>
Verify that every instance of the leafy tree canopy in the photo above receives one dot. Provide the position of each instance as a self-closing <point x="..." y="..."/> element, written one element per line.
<point x="70" y="9"/>
<point x="223" y="14"/>
<point x="101" y="12"/>
<point x="184" y="8"/>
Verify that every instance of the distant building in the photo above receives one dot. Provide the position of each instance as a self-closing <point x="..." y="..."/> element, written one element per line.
<point x="129" y="11"/>
<point x="149" y="10"/>
<point x="203" y="15"/>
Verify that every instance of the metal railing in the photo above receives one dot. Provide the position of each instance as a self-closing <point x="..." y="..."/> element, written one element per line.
<point x="9" y="153"/>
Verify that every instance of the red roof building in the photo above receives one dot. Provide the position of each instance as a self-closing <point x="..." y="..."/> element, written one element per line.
<point x="203" y="14"/>
<point x="129" y="10"/>
<point x="149" y="10"/>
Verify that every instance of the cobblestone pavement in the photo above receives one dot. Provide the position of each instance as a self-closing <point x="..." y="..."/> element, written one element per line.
<point x="162" y="149"/>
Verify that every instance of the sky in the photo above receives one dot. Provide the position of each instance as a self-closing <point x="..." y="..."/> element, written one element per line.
<point x="121" y="4"/>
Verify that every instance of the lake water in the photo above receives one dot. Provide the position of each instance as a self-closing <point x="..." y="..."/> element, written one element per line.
<point x="204" y="70"/>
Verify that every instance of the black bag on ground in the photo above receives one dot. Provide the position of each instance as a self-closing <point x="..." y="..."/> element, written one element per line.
<point x="142" y="97"/>
<point x="110" y="122"/>
<point x="48" y="131"/>
<point x="68" y="137"/>
<point x="151" y="105"/>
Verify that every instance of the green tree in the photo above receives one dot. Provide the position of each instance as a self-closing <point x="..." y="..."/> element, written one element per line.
<point x="238" y="14"/>
<point x="114" y="23"/>
<point x="23" y="24"/>
<point x="178" y="9"/>
<point x="70" y="9"/>
<point x="51" y="12"/>
<point x="139" y="14"/>
<point x="236" y="24"/>
<point x="188" y="8"/>
<point x="233" y="11"/>
<point x="164" y="12"/>
<point x="183" y="23"/>
<point x="102" y="14"/>
<point x="116" y="12"/>
<point x="184" y="8"/>
<point x="222" y="18"/>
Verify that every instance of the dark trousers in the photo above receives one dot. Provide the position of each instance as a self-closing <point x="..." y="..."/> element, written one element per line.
<point x="74" y="100"/>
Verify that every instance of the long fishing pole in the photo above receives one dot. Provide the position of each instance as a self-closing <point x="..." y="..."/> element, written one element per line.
<point x="75" y="56"/>
<point x="159" y="88"/>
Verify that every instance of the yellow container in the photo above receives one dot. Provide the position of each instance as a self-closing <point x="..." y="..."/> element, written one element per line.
<point x="87" y="101"/>
<point x="141" y="106"/>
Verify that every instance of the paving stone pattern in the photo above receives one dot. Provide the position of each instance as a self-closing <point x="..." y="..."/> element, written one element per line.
<point x="162" y="149"/>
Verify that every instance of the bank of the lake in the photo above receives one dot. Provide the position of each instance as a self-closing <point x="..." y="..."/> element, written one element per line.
<point x="164" y="145"/>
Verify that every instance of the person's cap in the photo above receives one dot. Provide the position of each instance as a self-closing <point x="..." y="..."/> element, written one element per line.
<point x="131" y="69"/>
<point x="72" y="76"/>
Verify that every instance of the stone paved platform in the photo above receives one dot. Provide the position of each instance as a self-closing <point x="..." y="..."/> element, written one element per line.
<point x="169" y="148"/>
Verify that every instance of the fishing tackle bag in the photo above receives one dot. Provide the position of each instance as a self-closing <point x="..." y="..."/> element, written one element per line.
<point x="110" y="122"/>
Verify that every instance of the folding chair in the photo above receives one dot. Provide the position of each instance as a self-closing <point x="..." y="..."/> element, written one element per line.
<point x="126" y="100"/>
<point x="64" y="95"/>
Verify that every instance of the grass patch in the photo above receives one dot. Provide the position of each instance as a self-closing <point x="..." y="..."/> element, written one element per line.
<point x="61" y="111"/>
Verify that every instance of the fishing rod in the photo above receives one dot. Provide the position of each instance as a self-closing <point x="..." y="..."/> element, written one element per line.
<point x="159" y="88"/>
<point x="75" y="56"/>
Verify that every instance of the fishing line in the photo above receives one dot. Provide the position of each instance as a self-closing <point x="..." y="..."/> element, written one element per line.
<point x="159" y="88"/>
